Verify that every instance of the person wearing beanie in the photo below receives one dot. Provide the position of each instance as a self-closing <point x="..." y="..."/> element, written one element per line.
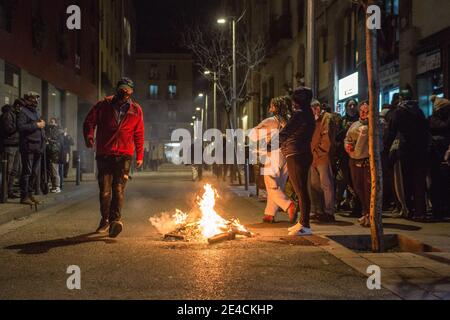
<point x="295" y="141"/>
<point x="119" y="125"/>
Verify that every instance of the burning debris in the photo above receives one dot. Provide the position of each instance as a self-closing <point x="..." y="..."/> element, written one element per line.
<point x="209" y="226"/>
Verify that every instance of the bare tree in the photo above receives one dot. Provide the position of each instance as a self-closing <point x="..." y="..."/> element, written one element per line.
<point x="376" y="202"/>
<point x="212" y="47"/>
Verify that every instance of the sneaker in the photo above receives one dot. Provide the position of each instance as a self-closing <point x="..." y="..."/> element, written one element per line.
<point x="103" y="227"/>
<point x="293" y="213"/>
<point x="268" y="219"/>
<point x="295" y="228"/>
<point x="115" y="229"/>
<point x="302" y="232"/>
<point x="56" y="190"/>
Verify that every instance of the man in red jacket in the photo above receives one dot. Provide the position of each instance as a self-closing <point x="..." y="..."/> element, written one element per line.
<point x="118" y="126"/>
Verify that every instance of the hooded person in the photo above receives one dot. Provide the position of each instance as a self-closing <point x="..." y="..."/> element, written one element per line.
<point x="115" y="126"/>
<point x="295" y="141"/>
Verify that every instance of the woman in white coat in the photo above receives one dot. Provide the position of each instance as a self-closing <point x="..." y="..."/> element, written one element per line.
<point x="275" y="166"/>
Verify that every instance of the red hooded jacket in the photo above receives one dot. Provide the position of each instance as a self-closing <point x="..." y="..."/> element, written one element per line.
<point x="113" y="138"/>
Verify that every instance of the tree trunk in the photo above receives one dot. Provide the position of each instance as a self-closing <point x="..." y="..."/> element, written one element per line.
<point x="376" y="201"/>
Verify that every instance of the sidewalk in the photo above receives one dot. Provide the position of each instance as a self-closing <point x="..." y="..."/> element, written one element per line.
<point x="13" y="210"/>
<point x="410" y="275"/>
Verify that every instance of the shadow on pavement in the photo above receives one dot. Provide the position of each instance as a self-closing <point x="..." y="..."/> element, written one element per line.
<point x="403" y="227"/>
<point x="45" y="246"/>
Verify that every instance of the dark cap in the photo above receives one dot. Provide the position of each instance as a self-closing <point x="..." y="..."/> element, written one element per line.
<point x="302" y="96"/>
<point x="125" y="83"/>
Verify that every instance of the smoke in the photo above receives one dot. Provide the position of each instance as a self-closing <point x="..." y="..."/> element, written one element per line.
<point x="164" y="223"/>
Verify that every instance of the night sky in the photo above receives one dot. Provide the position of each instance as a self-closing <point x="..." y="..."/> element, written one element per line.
<point x="160" y="22"/>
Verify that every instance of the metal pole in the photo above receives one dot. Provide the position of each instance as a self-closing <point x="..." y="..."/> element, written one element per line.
<point x="215" y="100"/>
<point x="206" y="112"/>
<point x="234" y="97"/>
<point x="311" y="45"/>
<point x="78" y="163"/>
<point x="4" y="193"/>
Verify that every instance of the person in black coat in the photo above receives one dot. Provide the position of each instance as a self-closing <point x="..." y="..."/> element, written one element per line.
<point x="408" y="141"/>
<point x="439" y="170"/>
<point x="32" y="144"/>
<point x="10" y="143"/>
<point x="295" y="141"/>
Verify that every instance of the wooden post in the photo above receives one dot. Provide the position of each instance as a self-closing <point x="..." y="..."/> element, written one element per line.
<point x="376" y="201"/>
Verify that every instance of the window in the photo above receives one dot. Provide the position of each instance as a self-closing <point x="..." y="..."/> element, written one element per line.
<point x="324" y="48"/>
<point x="301" y="14"/>
<point x="5" y="15"/>
<point x="153" y="92"/>
<point x="172" y="91"/>
<point x="153" y="73"/>
<point x="172" y="72"/>
<point x="11" y="75"/>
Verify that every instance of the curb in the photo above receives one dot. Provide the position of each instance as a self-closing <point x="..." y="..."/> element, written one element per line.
<point x="22" y="211"/>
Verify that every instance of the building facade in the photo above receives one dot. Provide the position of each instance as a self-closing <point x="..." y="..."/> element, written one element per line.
<point x="164" y="88"/>
<point x="39" y="53"/>
<point x="413" y="51"/>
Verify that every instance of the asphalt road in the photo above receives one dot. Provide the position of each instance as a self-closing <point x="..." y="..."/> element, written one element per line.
<point x="35" y="255"/>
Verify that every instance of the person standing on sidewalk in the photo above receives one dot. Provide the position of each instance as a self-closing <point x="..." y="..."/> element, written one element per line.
<point x="66" y="152"/>
<point x="118" y="126"/>
<point x="32" y="146"/>
<point x="321" y="174"/>
<point x="10" y="142"/>
<point x="295" y="141"/>
<point x="55" y="141"/>
<point x="275" y="174"/>
<point x="357" y="147"/>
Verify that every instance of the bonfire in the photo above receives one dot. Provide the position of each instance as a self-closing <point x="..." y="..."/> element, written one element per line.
<point x="208" y="227"/>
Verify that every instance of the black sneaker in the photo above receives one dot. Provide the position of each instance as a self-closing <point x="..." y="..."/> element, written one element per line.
<point x="103" y="227"/>
<point x="115" y="229"/>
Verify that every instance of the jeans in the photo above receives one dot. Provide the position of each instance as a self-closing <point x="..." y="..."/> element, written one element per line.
<point x="298" y="167"/>
<point x="31" y="164"/>
<point x="322" y="190"/>
<point x="12" y="155"/>
<point x="112" y="177"/>
<point x="54" y="174"/>
<point x="360" y="171"/>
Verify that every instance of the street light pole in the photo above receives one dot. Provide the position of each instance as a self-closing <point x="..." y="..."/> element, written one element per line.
<point x="206" y="112"/>
<point x="215" y="100"/>
<point x="234" y="94"/>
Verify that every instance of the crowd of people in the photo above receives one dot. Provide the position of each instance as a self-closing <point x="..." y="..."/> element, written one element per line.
<point x="325" y="158"/>
<point x="37" y="153"/>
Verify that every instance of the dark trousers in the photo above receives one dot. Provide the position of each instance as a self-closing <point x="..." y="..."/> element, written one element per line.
<point x="12" y="156"/>
<point x="31" y="163"/>
<point x="440" y="189"/>
<point x="415" y="181"/>
<point x="112" y="178"/>
<point x="360" y="171"/>
<point x="298" y="168"/>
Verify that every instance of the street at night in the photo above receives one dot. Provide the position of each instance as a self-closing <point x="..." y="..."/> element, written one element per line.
<point x="225" y="158"/>
<point x="140" y="265"/>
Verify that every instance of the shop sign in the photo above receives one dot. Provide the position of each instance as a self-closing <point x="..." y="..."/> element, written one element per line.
<point x="429" y="61"/>
<point x="348" y="87"/>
